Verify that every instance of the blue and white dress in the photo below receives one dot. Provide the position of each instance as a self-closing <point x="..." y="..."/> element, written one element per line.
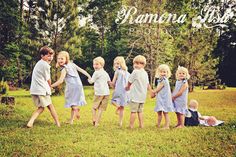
<point x="164" y="99"/>
<point x="120" y="95"/>
<point x="74" y="92"/>
<point x="180" y="103"/>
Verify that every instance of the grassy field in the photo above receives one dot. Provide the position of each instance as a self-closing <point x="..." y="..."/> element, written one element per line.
<point x="82" y="139"/>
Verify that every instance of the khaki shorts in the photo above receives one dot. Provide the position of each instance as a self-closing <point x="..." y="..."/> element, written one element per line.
<point x="100" y="102"/>
<point x="42" y="100"/>
<point x="136" y="107"/>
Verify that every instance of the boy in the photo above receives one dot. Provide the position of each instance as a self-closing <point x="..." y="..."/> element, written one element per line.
<point x="138" y="84"/>
<point x="40" y="88"/>
<point x="101" y="80"/>
<point x="194" y="118"/>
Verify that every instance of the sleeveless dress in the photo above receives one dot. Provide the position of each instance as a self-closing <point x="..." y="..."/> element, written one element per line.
<point x="163" y="99"/>
<point x="180" y="103"/>
<point x="120" y="95"/>
<point x="74" y="92"/>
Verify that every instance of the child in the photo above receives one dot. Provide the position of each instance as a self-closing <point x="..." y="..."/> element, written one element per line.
<point x="138" y="84"/>
<point x="120" y="79"/>
<point x="101" y="80"/>
<point x="40" y="86"/>
<point x="74" y="93"/>
<point x="180" y="95"/>
<point x="163" y="99"/>
<point x="194" y="118"/>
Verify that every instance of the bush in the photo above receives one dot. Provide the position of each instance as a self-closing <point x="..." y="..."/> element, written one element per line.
<point x="4" y="87"/>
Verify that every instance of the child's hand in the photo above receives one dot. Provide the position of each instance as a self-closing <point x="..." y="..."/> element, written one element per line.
<point x="153" y="94"/>
<point x="173" y="98"/>
<point x="111" y="84"/>
<point x="90" y="81"/>
<point x="127" y="88"/>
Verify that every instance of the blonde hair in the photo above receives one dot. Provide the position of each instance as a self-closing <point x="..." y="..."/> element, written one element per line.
<point x="163" y="67"/>
<point x="193" y="103"/>
<point x="100" y="60"/>
<point x="183" y="69"/>
<point x="140" y="59"/>
<point x="121" y="61"/>
<point x="64" y="54"/>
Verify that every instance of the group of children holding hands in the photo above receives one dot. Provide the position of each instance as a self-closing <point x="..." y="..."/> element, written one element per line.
<point x="129" y="89"/>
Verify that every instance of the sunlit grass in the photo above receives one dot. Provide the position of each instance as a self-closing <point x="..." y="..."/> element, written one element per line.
<point x="82" y="139"/>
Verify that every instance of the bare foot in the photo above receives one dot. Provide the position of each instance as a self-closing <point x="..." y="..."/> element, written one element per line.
<point x="165" y="128"/>
<point x="29" y="125"/>
<point x="179" y="127"/>
<point x="96" y="124"/>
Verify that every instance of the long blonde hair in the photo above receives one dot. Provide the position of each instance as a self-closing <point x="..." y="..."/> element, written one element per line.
<point x="163" y="67"/>
<point x="64" y="54"/>
<point x="121" y="61"/>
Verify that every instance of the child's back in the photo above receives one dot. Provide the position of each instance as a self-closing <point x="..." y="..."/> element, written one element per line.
<point x="138" y="89"/>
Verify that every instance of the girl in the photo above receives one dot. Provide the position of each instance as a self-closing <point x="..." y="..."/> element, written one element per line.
<point x="180" y="95"/>
<point x="120" y="79"/>
<point x="74" y="93"/>
<point x="163" y="98"/>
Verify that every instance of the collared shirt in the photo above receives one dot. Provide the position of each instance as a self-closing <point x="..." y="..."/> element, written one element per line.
<point x="100" y="79"/>
<point x="40" y="76"/>
<point x="140" y="82"/>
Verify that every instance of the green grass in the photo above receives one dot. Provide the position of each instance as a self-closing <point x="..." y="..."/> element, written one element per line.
<point x="82" y="139"/>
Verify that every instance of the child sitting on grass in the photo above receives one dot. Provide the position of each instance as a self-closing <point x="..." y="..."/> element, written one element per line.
<point x="194" y="118"/>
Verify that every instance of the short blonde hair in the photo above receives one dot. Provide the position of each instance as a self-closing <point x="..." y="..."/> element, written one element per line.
<point x="193" y="103"/>
<point x="163" y="67"/>
<point x="140" y="59"/>
<point x="100" y="60"/>
<point x="64" y="54"/>
<point x="121" y="61"/>
<point x="183" y="69"/>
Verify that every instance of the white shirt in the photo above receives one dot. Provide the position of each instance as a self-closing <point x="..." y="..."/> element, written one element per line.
<point x="40" y="76"/>
<point x="138" y="89"/>
<point x="100" y="79"/>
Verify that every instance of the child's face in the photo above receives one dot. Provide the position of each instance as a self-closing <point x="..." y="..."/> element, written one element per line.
<point x="61" y="60"/>
<point x="48" y="58"/>
<point x="182" y="75"/>
<point x="163" y="73"/>
<point x="116" y="65"/>
<point x="97" y="65"/>
<point x="193" y="105"/>
<point x="138" y="65"/>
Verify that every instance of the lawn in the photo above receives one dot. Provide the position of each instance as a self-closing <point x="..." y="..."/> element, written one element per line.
<point x="82" y="139"/>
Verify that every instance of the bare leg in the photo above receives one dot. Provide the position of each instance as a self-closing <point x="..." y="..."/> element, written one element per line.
<point x="121" y="115"/>
<point x="132" y="119"/>
<point x="181" y="121"/>
<point x="167" y="120"/>
<point x="159" y="118"/>
<point x="98" y="117"/>
<point x="140" y="118"/>
<point x="178" y="120"/>
<point x="34" y="116"/>
<point x="74" y="113"/>
<point x="54" y="114"/>
<point x="94" y="116"/>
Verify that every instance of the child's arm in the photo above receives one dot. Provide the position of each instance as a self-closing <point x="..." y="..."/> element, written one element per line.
<point x="180" y="92"/>
<point x="113" y="82"/>
<point x="49" y="82"/>
<point x="94" y="77"/>
<point x="155" y="91"/>
<point x="82" y="71"/>
<point x="61" y="79"/>
<point x="127" y="88"/>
